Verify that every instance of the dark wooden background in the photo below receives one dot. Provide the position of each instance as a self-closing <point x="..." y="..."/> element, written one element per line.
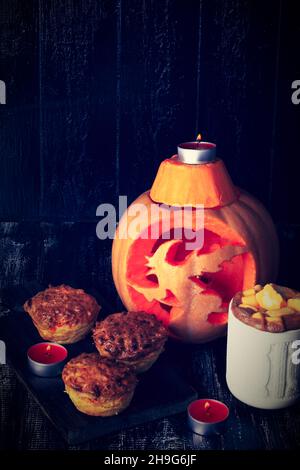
<point x="98" y="93"/>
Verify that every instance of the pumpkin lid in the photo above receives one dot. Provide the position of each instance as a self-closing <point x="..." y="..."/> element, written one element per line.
<point x="181" y="184"/>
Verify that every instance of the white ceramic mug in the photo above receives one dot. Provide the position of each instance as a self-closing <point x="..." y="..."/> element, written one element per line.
<point x="261" y="370"/>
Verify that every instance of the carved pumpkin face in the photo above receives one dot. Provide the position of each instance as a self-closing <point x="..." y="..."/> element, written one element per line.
<point x="190" y="290"/>
<point x="170" y="281"/>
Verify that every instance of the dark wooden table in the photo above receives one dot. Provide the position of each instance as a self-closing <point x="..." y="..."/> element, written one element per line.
<point x="23" y="426"/>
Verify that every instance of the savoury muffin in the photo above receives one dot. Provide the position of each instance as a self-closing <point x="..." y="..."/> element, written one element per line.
<point x="98" y="386"/>
<point x="270" y="308"/>
<point x="62" y="314"/>
<point x="133" y="338"/>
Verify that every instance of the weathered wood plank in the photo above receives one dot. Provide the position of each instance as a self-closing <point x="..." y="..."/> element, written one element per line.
<point x="62" y="252"/>
<point x="19" y="117"/>
<point x="289" y="238"/>
<point x="78" y="86"/>
<point x="284" y="193"/>
<point x="158" y="86"/>
<point x="237" y="88"/>
<point x="18" y="51"/>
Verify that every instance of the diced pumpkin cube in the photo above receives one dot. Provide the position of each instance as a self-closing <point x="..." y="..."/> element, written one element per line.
<point x="258" y="320"/>
<point x="251" y="307"/>
<point x="273" y="320"/>
<point x="248" y="292"/>
<point x="280" y="312"/>
<point x="268" y="298"/>
<point x="250" y="300"/>
<point x="294" y="303"/>
<point x="257" y="316"/>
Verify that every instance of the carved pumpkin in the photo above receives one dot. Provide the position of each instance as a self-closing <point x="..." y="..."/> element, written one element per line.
<point x="190" y="290"/>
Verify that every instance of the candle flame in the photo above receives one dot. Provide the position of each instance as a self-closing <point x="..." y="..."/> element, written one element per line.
<point x="207" y="406"/>
<point x="199" y="138"/>
<point x="48" y="348"/>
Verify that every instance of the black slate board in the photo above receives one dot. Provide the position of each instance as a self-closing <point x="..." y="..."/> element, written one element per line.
<point x="162" y="391"/>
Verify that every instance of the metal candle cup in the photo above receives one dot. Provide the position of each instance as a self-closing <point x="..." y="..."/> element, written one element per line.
<point x="207" y="417"/>
<point x="47" y="359"/>
<point x="197" y="152"/>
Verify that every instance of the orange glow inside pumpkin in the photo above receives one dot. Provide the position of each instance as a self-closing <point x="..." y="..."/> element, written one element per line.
<point x="167" y="280"/>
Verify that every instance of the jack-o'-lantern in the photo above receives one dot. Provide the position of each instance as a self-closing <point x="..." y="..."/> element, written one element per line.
<point x="190" y="289"/>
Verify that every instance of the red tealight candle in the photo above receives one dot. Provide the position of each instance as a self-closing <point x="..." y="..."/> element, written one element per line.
<point x="46" y="359"/>
<point x="207" y="416"/>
